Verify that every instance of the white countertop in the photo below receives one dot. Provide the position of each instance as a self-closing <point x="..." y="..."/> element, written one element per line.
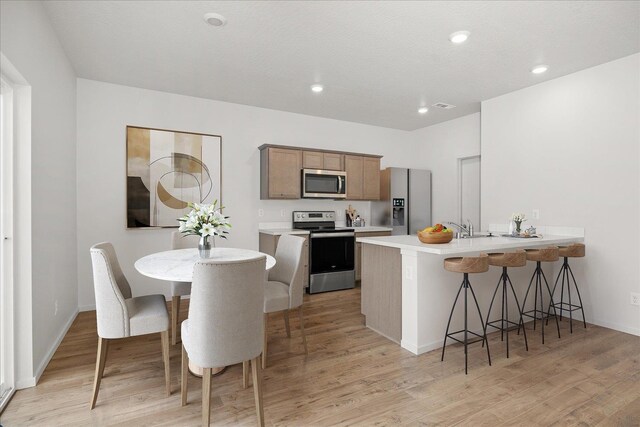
<point x="462" y="246"/>
<point x="281" y="231"/>
<point x="371" y="229"/>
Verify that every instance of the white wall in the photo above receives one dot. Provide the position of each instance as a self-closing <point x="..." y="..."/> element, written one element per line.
<point x="440" y="147"/>
<point x="30" y="44"/>
<point x="104" y="110"/>
<point x="570" y="148"/>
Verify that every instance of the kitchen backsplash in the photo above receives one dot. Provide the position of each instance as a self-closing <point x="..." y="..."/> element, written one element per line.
<point x="277" y="213"/>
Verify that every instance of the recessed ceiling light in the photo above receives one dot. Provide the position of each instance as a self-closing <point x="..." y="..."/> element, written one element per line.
<point x="423" y="110"/>
<point x="215" y="19"/>
<point x="539" y="69"/>
<point x="459" y="37"/>
<point x="317" y="88"/>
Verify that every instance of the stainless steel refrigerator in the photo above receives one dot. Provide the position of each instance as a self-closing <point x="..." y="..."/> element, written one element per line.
<point x="405" y="200"/>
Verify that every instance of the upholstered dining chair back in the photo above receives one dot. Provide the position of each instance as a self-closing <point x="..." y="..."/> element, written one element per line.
<point x="225" y="324"/>
<point x="111" y="290"/>
<point x="289" y="268"/>
<point x="182" y="241"/>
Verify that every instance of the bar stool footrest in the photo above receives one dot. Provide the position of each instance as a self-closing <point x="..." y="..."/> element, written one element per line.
<point x="479" y="338"/>
<point x="514" y="325"/>
<point x="535" y="316"/>
<point x="562" y="306"/>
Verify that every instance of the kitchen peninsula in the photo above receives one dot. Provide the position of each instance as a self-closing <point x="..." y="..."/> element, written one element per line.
<point x="407" y="294"/>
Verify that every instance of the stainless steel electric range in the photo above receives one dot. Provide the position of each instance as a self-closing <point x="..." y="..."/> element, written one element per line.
<point x="331" y="251"/>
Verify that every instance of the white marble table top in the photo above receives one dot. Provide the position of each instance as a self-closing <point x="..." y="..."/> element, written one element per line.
<point x="177" y="265"/>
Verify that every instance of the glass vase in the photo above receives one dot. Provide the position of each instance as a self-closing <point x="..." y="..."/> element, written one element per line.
<point x="204" y="246"/>
<point x="518" y="224"/>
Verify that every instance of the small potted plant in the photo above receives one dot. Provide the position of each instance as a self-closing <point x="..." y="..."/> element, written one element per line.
<point x="518" y="219"/>
<point x="205" y="220"/>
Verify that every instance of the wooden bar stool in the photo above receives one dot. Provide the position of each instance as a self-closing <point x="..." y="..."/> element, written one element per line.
<point x="548" y="254"/>
<point x="466" y="265"/>
<point x="574" y="250"/>
<point x="506" y="260"/>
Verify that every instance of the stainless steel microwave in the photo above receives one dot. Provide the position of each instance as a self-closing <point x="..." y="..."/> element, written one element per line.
<point x="324" y="184"/>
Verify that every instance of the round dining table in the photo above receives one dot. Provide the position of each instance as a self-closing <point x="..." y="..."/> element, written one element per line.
<point x="177" y="266"/>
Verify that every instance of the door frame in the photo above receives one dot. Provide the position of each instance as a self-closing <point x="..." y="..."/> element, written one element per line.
<point x="7" y="302"/>
<point x="459" y="162"/>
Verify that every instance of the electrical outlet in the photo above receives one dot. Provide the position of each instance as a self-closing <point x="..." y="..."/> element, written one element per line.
<point x="260" y="212"/>
<point x="55" y="308"/>
<point x="535" y="214"/>
<point x="283" y="212"/>
<point x="635" y="298"/>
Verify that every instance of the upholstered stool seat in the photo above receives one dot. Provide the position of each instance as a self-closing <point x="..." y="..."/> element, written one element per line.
<point x="478" y="264"/>
<point x="466" y="265"/>
<point x="540" y="255"/>
<point x="508" y="259"/>
<point x="574" y="250"/>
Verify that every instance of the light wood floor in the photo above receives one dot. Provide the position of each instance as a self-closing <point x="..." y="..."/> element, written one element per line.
<point x="351" y="376"/>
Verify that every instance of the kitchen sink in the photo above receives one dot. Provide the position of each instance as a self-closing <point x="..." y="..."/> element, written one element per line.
<point x="476" y="235"/>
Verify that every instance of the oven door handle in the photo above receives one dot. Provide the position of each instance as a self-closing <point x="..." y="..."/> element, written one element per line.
<point x="328" y="235"/>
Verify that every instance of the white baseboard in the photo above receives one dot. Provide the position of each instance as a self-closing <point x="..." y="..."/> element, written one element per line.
<point x="615" y="326"/>
<point x="90" y="307"/>
<point x="31" y="382"/>
<point x="25" y="383"/>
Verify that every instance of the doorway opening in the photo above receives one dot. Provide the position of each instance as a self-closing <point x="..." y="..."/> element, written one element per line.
<point x="469" y="190"/>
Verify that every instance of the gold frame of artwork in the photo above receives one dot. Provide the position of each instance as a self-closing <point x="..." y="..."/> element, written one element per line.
<point x="166" y="170"/>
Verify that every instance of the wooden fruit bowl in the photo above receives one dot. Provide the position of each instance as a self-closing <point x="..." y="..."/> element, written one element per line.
<point x="431" y="237"/>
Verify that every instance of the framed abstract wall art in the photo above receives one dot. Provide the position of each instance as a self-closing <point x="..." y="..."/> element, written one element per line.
<point x="166" y="170"/>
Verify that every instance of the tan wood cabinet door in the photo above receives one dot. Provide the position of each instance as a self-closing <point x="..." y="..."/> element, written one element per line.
<point x="333" y="161"/>
<point x="371" y="178"/>
<point x="284" y="173"/>
<point x="353" y="165"/>
<point x="312" y="160"/>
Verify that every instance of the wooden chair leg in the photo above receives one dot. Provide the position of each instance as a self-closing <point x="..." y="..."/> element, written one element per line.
<point x="257" y="389"/>
<point x="304" y="336"/>
<point x="101" y="358"/>
<point x="245" y="374"/>
<point x="206" y="396"/>
<point x="264" y="348"/>
<point x="175" y="316"/>
<point x="184" y="376"/>
<point x="164" y="335"/>
<point x="286" y="323"/>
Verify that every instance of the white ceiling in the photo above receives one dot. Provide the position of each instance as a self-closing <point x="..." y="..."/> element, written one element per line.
<point x="378" y="60"/>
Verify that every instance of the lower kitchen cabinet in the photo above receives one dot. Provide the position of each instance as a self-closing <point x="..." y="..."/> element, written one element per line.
<point x="269" y="242"/>
<point x="358" y="258"/>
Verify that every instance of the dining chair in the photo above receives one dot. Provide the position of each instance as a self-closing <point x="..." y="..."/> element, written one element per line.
<point x="225" y="325"/>
<point x="119" y="315"/>
<point x="179" y="289"/>
<point x="285" y="287"/>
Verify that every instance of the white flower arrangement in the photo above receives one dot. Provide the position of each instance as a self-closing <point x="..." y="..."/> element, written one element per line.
<point x="518" y="217"/>
<point x="205" y="220"/>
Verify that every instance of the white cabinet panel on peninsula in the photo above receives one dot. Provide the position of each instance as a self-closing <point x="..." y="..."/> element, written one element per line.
<point x="407" y="294"/>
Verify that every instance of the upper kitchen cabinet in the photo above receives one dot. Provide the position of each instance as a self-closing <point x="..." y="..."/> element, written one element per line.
<point x="281" y="178"/>
<point x="321" y="160"/>
<point x="363" y="177"/>
<point x="280" y="173"/>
